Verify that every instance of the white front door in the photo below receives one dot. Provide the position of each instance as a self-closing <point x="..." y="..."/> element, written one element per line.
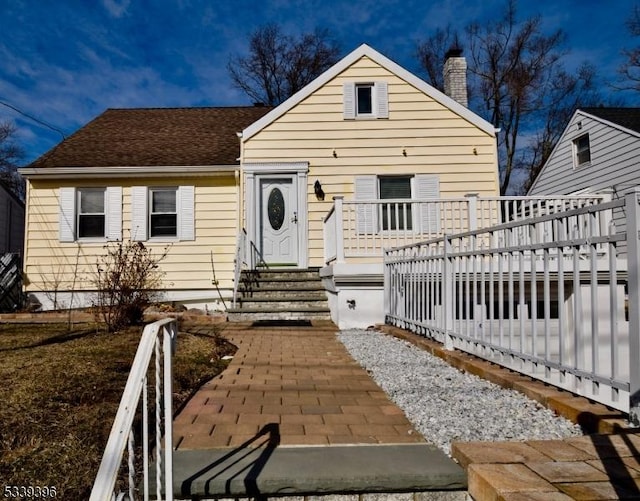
<point x="279" y="220"/>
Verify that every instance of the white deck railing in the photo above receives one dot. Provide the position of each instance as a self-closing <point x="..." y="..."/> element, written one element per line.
<point x="156" y="338"/>
<point x="364" y="228"/>
<point x="544" y="296"/>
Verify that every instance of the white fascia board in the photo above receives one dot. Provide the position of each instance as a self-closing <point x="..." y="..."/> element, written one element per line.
<point x="275" y="167"/>
<point x="343" y="64"/>
<point x="126" y="171"/>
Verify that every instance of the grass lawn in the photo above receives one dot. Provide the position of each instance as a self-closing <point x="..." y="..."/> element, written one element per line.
<point x="60" y="391"/>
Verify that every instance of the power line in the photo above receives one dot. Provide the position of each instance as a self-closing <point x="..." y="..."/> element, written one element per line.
<point x="31" y="117"/>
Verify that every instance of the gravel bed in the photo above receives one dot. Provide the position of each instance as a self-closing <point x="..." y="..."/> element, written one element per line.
<point x="445" y="404"/>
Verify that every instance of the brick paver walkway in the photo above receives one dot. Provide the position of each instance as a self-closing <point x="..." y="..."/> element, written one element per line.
<point x="299" y="381"/>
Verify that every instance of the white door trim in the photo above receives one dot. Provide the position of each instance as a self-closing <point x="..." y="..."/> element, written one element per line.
<point x="253" y="172"/>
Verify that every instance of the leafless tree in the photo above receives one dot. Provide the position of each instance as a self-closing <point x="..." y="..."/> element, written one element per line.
<point x="10" y="155"/>
<point x="518" y="83"/>
<point x="567" y="93"/>
<point x="279" y="65"/>
<point x="431" y="54"/>
<point x="629" y="71"/>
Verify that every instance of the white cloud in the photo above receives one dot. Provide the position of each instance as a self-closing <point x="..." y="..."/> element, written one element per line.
<point x="116" y="9"/>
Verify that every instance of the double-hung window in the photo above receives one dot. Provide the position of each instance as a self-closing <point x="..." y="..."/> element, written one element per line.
<point x="380" y="203"/>
<point x="581" y="150"/>
<point x="163" y="213"/>
<point x="396" y="215"/>
<point x="91" y="212"/>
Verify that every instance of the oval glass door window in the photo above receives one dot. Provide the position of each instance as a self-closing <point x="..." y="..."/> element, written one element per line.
<point x="275" y="208"/>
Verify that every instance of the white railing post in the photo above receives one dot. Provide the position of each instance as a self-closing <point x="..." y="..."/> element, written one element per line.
<point x="472" y="210"/>
<point x="338" y="200"/>
<point x="170" y="333"/>
<point x="633" y="258"/>
<point x="448" y="292"/>
<point x="387" y="284"/>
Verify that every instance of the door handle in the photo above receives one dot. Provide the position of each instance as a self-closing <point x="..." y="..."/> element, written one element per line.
<point x="294" y="219"/>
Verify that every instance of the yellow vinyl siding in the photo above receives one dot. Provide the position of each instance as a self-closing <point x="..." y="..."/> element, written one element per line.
<point x="435" y="140"/>
<point x="51" y="264"/>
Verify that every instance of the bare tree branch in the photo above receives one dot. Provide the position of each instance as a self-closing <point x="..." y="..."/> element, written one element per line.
<point x="10" y="155"/>
<point x="629" y="71"/>
<point x="518" y="83"/>
<point x="279" y="65"/>
<point x="431" y="54"/>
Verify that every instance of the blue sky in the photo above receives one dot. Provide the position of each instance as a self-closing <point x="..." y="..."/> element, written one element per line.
<point x="65" y="62"/>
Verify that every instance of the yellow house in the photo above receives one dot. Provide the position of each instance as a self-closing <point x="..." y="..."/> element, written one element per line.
<point x="366" y="133"/>
<point x="165" y="177"/>
<point x="378" y="139"/>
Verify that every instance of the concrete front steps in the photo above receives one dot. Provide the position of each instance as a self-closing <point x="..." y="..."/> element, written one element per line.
<point x="280" y="294"/>
<point x="263" y="470"/>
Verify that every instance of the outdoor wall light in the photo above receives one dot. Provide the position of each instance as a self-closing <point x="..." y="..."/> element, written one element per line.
<point x="351" y="303"/>
<point x="317" y="187"/>
<point x="335" y="155"/>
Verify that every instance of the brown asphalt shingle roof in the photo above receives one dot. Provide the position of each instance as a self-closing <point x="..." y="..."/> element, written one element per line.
<point x="154" y="137"/>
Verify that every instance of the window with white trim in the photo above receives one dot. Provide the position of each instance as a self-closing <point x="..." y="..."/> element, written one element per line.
<point x="374" y="215"/>
<point x="581" y="150"/>
<point x="90" y="213"/>
<point x="365" y="100"/>
<point x="162" y="213"/>
<point x="395" y="215"/>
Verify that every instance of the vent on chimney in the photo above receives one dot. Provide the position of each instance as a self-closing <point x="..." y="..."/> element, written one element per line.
<point x="455" y="76"/>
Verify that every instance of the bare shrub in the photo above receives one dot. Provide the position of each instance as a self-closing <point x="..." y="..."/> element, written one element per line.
<point x="127" y="280"/>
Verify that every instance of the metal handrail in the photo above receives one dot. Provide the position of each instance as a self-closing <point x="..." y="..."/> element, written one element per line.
<point x="239" y="262"/>
<point x="247" y="256"/>
<point x="122" y="435"/>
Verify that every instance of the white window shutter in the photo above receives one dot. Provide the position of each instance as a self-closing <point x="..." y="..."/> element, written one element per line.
<point x="428" y="187"/>
<point x="186" y="196"/>
<point x="114" y="213"/>
<point x="382" y="100"/>
<point x="67" y="229"/>
<point x="139" y="210"/>
<point x="366" y="188"/>
<point x="349" y="99"/>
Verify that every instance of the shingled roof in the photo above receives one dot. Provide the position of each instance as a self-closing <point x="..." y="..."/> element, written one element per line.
<point x="626" y="117"/>
<point x="154" y="137"/>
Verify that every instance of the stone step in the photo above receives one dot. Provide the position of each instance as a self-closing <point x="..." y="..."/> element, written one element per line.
<point x="301" y="286"/>
<point x="283" y="294"/>
<point x="282" y="304"/>
<point x="281" y="275"/>
<point x="280" y="294"/>
<point x="265" y="469"/>
<point x="256" y="314"/>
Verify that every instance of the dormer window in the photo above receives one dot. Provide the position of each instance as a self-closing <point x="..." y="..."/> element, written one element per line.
<point x="365" y="100"/>
<point x="581" y="151"/>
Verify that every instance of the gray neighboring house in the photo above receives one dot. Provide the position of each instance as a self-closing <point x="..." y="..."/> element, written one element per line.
<point x="11" y="222"/>
<point x="598" y="152"/>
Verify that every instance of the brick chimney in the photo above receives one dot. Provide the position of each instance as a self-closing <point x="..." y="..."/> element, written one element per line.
<point x="455" y="76"/>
